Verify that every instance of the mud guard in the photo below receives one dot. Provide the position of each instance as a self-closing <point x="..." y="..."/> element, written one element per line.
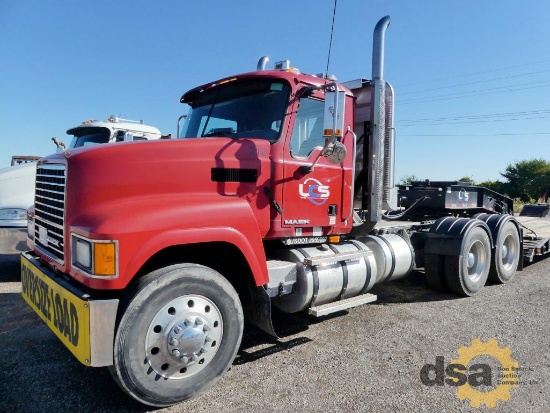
<point x="258" y="310"/>
<point x="447" y="234"/>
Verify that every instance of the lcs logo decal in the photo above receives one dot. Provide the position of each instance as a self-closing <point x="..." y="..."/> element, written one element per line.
<point x="314" y="191"/>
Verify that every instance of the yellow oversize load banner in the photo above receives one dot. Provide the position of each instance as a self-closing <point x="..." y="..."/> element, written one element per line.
<point x="67" y="315"/>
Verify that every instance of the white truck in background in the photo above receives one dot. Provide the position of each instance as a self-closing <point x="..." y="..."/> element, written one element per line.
<point x="17" y="182"/>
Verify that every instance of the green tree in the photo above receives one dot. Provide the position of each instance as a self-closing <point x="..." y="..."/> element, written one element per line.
<point x="467" y="179"/>
<point x="408" y="179"/>
<point x="527" y="180"/>
<point x="496" y="186"/>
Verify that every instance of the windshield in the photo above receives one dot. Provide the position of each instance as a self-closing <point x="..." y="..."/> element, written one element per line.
<point x="250" y="109"/>
<point x="89" y="136"/>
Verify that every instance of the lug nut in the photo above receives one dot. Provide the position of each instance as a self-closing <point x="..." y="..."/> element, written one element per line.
<point x="199" y="321"/>
<point x="208" y="339"/>
<point x="206" y="329"/>
<point x="176" y="352"/>
<point x="188" y="321"/>
<point x="177" y="329"/>
<point x="195" y="357"/>
<point x="184" y="359"/>
<point x="174" y="341"/>
<point x="204" y="350"/>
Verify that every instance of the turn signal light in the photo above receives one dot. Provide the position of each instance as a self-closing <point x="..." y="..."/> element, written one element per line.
<point x="333" y="239"/>
<point x="105" y="259"/>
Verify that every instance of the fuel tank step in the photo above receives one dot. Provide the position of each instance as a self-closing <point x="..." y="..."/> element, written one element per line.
<point x="333" y="307"/>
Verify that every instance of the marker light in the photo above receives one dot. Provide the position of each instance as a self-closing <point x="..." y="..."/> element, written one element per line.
<point x="96" y="258"/>
<point x="105" y="258"/>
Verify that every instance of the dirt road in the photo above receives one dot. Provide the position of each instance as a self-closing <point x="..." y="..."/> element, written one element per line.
<point x="367" y="359"/>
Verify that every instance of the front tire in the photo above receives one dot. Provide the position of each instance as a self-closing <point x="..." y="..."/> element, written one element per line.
<point x="178" y="335"/>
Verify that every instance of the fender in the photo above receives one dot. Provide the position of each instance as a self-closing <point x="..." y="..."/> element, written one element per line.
<point x="495" y="222"/>
<point x="146" y="225"/>
<point x="446" y="235"/>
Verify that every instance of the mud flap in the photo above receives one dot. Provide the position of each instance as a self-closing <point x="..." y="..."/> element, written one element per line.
<point x="258" y="310"/>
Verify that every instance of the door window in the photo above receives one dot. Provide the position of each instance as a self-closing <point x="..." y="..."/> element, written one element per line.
<point x="308" y="128"/>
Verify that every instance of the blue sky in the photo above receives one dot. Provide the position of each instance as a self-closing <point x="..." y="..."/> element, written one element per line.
<point x="472" y="78"/>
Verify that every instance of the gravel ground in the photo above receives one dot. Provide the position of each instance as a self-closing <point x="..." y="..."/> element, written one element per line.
<point x="366" y="359"/>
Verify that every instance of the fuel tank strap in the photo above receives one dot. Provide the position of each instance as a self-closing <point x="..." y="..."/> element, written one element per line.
<point x="344" y="274"/>
<point x="315" y="276"/>
<point x="362" y="247"/>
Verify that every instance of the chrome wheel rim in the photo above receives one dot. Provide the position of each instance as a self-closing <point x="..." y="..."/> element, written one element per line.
<point x="476" y="261"/>
<point x="508" y="252"/>
<point x="183" y="337"/>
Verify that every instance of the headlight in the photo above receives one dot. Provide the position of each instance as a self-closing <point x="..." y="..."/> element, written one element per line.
<point x="83" y="254"/>
<point x="95" y="257"/>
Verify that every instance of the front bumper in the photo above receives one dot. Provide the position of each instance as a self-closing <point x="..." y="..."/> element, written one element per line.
<point x="13" y="240"/>
<point x="85" y="326"/>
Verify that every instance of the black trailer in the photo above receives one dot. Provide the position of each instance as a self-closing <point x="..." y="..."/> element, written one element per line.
<point x="429" y="200"/>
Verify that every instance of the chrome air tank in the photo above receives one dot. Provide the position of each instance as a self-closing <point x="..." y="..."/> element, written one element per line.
<point x="330" y="281"/>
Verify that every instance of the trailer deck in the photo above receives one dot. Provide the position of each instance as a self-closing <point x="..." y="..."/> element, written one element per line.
<point x="536" y="236"/>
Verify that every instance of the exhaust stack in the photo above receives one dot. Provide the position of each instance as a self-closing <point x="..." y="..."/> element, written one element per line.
<point x="262" y="63"/>
<point x="378" y="122"/>
<point x="377" y="161"/>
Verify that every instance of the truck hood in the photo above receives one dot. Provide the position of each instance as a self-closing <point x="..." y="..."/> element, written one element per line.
<point x="206" y="169"/>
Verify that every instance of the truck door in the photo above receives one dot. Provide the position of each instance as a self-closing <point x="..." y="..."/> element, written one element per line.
<point x="317" y="202"/>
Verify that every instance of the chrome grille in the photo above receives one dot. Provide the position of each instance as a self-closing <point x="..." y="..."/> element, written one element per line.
<point x="49" y="210"/>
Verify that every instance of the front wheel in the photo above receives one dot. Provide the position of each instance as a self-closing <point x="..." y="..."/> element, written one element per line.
<point x="178" y="335"/>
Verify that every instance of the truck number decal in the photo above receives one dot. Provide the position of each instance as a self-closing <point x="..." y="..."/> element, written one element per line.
<point x="258" y="152"/>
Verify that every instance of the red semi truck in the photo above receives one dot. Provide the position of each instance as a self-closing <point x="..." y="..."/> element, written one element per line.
<point x="147" y="257"/>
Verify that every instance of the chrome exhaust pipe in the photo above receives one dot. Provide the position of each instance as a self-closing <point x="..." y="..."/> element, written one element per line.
<point x="373" y="186"/>
<point x="378" y="122"/>
<point x="262" y="63"/>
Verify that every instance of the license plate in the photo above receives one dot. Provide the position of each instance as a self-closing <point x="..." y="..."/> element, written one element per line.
<point x="66" y="314"/>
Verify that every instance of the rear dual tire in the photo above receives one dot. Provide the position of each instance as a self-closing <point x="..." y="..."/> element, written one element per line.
<point x="507" y="254"/>
<point x="467" y="273"/>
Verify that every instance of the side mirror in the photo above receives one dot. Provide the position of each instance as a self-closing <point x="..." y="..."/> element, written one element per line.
<point x="337" y="153"/>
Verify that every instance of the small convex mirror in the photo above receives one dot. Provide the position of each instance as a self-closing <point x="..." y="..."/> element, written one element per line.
<point x="337" y="154"/>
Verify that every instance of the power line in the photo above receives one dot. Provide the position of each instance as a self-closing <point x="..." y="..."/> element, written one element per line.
<point x="489" y="91"/>
<point x="470" y="135"/>
<point x="477" y="82"/>
<point x="476" y="73"/>
<point x="472" y="122"/>
<point x="494" y="114"/>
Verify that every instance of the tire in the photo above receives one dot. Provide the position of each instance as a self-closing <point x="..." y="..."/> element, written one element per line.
<point x="179" y="333"/>
<point x="434" y="268"/>
<point x="467" y="273"/>
<point x="507" y="254"/>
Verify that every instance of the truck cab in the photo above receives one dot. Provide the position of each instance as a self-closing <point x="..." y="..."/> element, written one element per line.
<point x="278" y="116"/>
